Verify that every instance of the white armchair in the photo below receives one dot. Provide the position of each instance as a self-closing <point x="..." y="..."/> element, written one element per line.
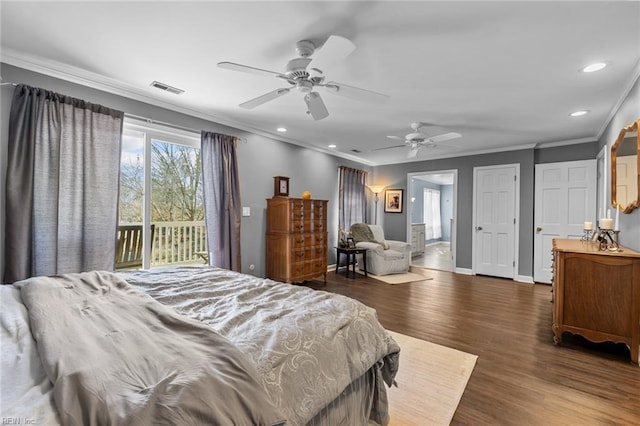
<point x="384" y="257"/>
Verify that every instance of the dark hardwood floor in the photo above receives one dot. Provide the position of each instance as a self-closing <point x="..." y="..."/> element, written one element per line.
<point x="521" y="377"/>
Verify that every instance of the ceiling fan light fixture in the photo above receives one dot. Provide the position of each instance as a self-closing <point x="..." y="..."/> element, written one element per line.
<point x="579" y="113"/>
<point x="304" y="86"/>
<point x="597" y="66"/>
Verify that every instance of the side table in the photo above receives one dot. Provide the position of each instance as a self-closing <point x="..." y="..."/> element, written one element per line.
<point x="351" y="258"/>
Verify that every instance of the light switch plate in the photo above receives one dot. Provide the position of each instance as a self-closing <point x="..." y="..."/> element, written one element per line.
<point x="246" y="211"/>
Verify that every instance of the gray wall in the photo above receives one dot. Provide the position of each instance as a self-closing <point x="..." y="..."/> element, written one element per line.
<point x="395" y="176"/>
<point x="628" y="112"/>
<point x="558" y="154"/>
<point x="260" y="158"/>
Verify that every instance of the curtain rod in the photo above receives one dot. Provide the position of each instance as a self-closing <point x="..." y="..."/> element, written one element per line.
<point x="7" y="83"/>
<point x="152" y="121"/>
<point x="138" y="117"/>
<point x="170" y="125"/>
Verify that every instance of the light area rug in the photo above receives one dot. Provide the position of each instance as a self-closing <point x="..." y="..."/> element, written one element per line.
<point x="431" y="380"/>
<point x="408" y="277"/>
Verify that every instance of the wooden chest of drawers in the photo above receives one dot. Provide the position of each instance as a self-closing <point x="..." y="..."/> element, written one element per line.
<point x="296" y="239"/>
<point x="596" y="293"/>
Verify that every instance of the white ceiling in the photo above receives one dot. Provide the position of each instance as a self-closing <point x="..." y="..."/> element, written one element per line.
<point x="505" y="75"/>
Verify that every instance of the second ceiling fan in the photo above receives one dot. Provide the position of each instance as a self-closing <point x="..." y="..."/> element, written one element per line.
<point x="306" y="74"/>
<point x="417" y="140"/>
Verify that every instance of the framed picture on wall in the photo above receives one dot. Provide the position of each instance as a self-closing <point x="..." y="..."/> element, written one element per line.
<point x="393" y="201"/>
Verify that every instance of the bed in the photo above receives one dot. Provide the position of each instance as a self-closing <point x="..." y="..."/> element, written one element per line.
<point x="190" y="345"/>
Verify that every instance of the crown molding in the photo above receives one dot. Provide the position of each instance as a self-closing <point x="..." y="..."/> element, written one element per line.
<point x="465" y="154"/>
<point x="625" y="93"/>
<point x="566" y="142"/>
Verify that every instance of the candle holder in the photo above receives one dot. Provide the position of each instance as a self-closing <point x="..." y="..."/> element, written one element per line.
<point x="587" y="235"/>
<point x="608" y="240"/>
<point x="616" y="235"/>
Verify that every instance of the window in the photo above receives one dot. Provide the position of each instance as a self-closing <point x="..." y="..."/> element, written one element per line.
<point x="431" y="213"/>
<point x="161" y="210"/>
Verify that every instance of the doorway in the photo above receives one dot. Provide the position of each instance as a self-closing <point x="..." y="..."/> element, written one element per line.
<point x="432" y="218"/>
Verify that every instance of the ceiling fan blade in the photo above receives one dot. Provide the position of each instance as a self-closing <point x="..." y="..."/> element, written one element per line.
<point x="441" y="147"/>
<point x="413" y="152"/>
<point x="264" y="98"/>
<point x="388" y="147"/>
<point x="245" y="68"/>
<point x="334" y="49"/>
<point x="398" y="138"/>
<point x="444" y="137"/>
<point x="315" y="106"/>
<point x="356" y="93"/>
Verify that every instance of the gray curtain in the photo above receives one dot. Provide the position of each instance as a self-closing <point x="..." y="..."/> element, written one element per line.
<point x="352" y="197"/>
<point x="62" y="185"/>
<point x="222" y="206"/>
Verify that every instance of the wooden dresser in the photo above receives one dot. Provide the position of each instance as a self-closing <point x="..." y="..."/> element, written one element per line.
<point x="296" y="239"/>
<point x="596" y="293"/>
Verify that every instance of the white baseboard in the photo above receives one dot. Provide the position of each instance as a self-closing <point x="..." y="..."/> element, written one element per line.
<point x="524" y="279"/>
<point x="465" y="271"/>
<point x="437" y="242"/>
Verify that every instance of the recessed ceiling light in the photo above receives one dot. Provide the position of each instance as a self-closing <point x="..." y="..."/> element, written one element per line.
<point x="332" y="145"/>
<point x="281" y="129"/>
<point x="594" y="67"/>
<point x="579" y="113"/>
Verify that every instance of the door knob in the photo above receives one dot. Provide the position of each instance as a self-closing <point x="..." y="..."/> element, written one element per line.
<point x="539" y="228"/>
<point x="478" y="228"/>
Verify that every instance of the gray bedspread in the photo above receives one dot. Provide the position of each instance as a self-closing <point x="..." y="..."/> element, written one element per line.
<point x="307" y="345"/>
<point x="116" y="356"/>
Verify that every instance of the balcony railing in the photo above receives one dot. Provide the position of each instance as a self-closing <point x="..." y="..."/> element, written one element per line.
<point x="178" y="243"/>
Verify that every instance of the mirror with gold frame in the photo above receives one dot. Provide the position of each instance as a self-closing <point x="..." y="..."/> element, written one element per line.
<point x="625" y="169"/>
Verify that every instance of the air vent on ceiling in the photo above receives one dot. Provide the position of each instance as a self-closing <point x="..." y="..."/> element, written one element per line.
<point x="167" y="88"/>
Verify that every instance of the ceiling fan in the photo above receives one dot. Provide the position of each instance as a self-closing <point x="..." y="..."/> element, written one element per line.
<point x="417" y="140"/>
<point x="305" y="74"/>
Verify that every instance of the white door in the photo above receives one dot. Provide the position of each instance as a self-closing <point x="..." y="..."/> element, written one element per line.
<point x="565" y="198"/>
<point x="495" y="221"/>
